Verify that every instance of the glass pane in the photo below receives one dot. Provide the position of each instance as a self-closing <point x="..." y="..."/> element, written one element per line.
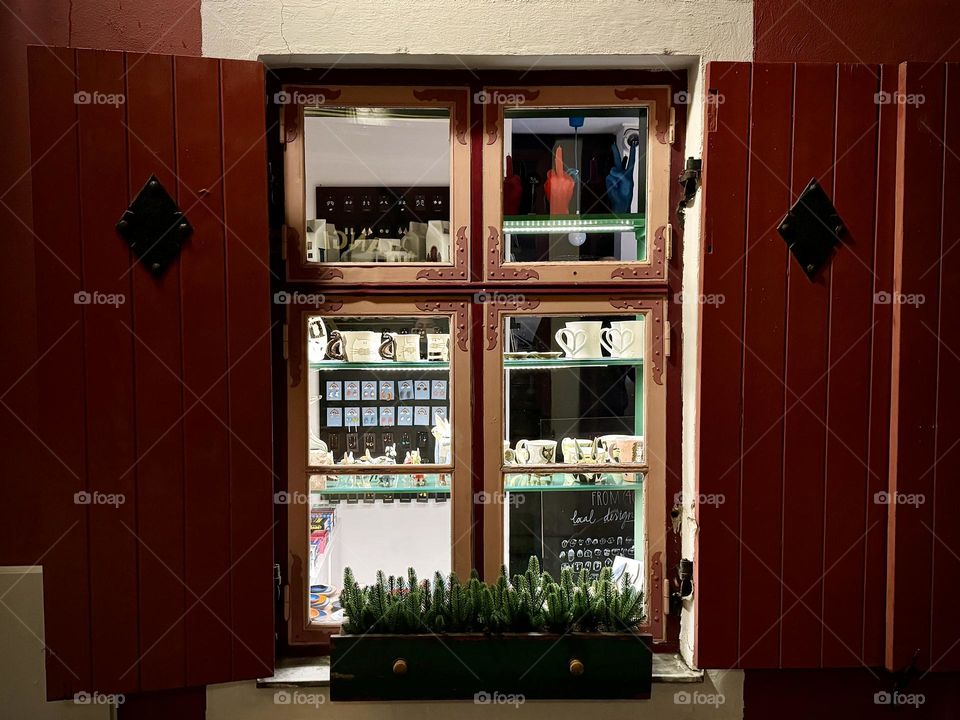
<point x="575" y="184"/>
<point x="374" y="522"/>
<point x="578" y="527"/>
<point x="379" y="390"/>
<point x="573" y="389"/>
<point x="377" y="185"/>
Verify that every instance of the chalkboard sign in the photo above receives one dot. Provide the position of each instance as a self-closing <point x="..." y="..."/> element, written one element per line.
<point x="575" y="529"/>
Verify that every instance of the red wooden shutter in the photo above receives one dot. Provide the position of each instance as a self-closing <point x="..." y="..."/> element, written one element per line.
<point x="794" y="373"/>
<point x="156" y="390"/>
<point x="924" y="552"/>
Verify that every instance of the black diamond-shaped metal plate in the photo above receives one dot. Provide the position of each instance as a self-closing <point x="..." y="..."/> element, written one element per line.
<point x="812" y="228"/>
<point x="154" y="227"/>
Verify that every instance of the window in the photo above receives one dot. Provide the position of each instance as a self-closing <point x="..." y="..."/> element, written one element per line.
<point x="398" y="398"/>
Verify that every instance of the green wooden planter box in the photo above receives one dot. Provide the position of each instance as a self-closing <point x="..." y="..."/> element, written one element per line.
<point x="490" y="668"/>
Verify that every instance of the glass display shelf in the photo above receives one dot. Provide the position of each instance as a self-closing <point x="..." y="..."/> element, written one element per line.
<point x="605" y="223"/>
<point x="388" y="485"/>
<point x="562" y="482"/>
<point x="562" y="362"/>
<point x="387" y="365"/>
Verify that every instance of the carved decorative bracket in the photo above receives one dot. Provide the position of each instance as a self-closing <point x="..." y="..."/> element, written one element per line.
<point x="492" y="109"/>
<point x="460" y="99"/>
<point x="492" y="316"/>
<point x="652" y="270"/>
<point x="295" y="343"/>
<point x="494" y="270"/>
<point x="460" y="309"/>
<point x="459" y="269"/>
<point x="656" y="589"/>
<point x="655" y="316"/>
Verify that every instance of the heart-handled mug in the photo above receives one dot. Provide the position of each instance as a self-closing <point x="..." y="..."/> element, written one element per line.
<point x="626" y="338"/>
<point x="536" y="452"/>
<point x="615" y="340"/>
<point x="580" y="339"/>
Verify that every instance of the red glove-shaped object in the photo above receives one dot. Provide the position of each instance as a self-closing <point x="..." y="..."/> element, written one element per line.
<point x="559" y="186"/>
<point x="512" y="190"/>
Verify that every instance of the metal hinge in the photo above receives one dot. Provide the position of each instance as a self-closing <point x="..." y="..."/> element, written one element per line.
<point x="668" y="241"/>
<point x="672" y="130"/>
<point x="666" y="339"/>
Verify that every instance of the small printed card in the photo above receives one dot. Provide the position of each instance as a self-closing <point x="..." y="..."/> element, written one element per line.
<point x="421" y="390"/>
<point x="421" y="415"/>
<point x="334" y="417"/>
<point x="387" y="417"/>
<point x="351" y="389"/>
<point x="351" y="416"/>
<point x="386" y="390"/>
<point x="439" y="412"/>
<point x="369" y="416"/>
<point x="405" y="389"/>
<point x="405" y="415"/>
<point x="368" y="390"/>
<point x="334" y="390"/>
<point x="438" y="389"/>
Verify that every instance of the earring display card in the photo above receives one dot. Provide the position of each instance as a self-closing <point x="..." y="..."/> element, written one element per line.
<point x="368" y="390"/>
<point x="351" y="417"/>
<point x="369" y="416"/>
<point x="334" y="417"/>
<point x="351" y="390"/>
<point x="386" y="390"/>
<point x="438" y="389"/>
<point x="386" y="417"/>
<point x="405" y="389"/>
<point x="405" y="415"/>
<point x="421" y="415"/>
<point x="421" y="390"/>
<point x="333" y="390"/>
<point x="439" y="413"/>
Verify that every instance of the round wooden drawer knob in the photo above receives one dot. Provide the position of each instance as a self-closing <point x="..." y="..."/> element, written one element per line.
<point x="576" y="667"/>
<point x="399" y="666"/>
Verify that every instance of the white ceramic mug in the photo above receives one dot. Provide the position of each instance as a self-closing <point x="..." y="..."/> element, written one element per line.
<point x="623" y="448"/>
<point x="354" y="345"/>
<point x="580" y="339"/>
<point x="536" y="452"/>
<point x="438" y="346"/>
<point x="403" y="348"/>
<point x="569" y="448"/>
<point x="624" y="339"/>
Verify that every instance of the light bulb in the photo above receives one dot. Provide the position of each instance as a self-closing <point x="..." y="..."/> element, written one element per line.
<point x="577" y="238"/>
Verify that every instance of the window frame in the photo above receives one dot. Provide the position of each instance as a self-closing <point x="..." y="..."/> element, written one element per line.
<point x="660" y="136"/>
<point x="452" y="98"/>
<point x="300" y="630"/>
